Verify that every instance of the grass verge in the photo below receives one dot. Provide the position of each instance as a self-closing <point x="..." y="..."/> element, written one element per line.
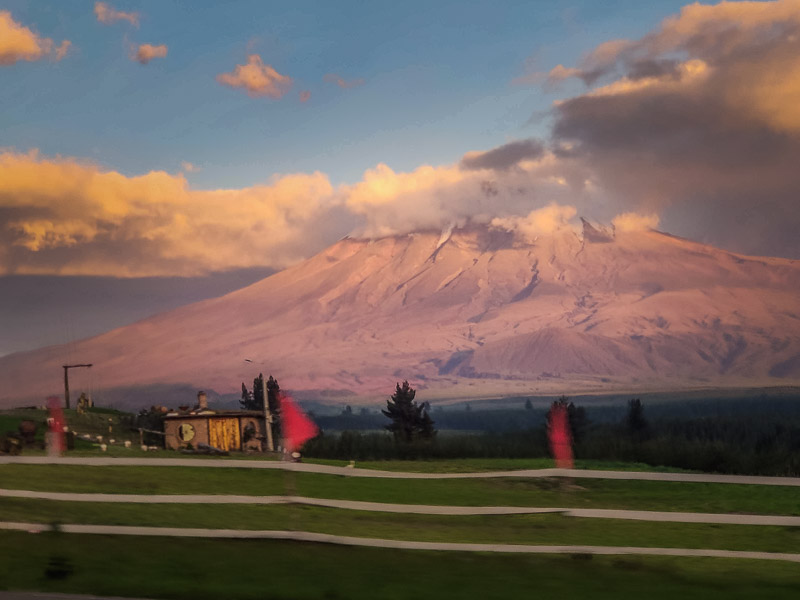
<point x="507" y="529"/>
<point x="506" y="491"/>
<point x="200" y="569"/>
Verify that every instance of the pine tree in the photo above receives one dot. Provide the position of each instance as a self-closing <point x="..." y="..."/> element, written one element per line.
<point x="635" y="422"/>
<point x="426" y="427"/>
<point x="255" y="400"/>
<point x="578" y="422"/>
<point x="273" y="398"/>
<point x="410" y="421"/>
<point x="248" y="402"/>
<point x="273" y="393"/>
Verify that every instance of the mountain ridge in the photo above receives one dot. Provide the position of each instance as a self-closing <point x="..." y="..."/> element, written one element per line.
<point x="466" y="311"/>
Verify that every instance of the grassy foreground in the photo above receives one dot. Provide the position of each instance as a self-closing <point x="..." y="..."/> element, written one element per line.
<point x="505" y="529"/>
<point x="257" y="569"/>
<point x="508" y="491"/>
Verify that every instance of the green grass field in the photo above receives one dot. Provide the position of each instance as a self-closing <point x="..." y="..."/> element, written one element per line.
<point x="197" y="569"/>
<point x="510" y="529"/>
<point x="506" y="491"/>
<point x="242" y="569"/>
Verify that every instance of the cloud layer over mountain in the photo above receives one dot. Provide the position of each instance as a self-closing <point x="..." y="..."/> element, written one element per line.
<point x="695" y="127"/>
<point x="700" y="123"/>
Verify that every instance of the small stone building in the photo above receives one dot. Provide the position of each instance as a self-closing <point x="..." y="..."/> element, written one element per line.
<point x="227" y="430"/>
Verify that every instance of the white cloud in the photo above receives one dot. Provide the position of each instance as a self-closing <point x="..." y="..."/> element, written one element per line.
<point x="144" y="53"/>
<point x="257" y="79"/>
<point x="107" y="15"/>
<point x="631" y="221"/>
<point x="541" y="221"/>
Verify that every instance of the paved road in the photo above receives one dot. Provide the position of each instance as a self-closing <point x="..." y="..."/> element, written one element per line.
<point x="374" y="473"/>
<point x="305" y="536"/>
<point x="421" y="509"/>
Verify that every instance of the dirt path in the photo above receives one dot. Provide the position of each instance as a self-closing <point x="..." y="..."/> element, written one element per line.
<point x="420" y="509"/>
<point x="304" y="536"/>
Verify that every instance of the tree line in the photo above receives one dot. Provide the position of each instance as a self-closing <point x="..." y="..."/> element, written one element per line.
<point x="254" y="400"/>
<point x="760" y="441"/>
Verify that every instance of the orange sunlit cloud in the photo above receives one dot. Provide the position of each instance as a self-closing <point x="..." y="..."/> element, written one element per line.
<point x="62" y="49"/>
<point x="305" y="95"/>
<point x="144" y="53"/>
<point x="341" y="82"/>
<point x="72" y="217"/>
<point x="632" y="221"/>
<point x="435" y="197"/>
<point x="257" y="79"/>
<point x="541" y="221"/>
<point x="560" y="72"/>
<point x="18" y="42"/>
<point x="392" y="202"/>
<point x="107" y="15"/>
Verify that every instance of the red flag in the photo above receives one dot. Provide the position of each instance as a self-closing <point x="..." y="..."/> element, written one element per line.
<point x="560" y="438"/>
<point x="297" y="427"/>
<point x="56" y="424"/>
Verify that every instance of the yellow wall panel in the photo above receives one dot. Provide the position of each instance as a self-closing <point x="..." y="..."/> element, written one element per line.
<point x="224" y="434"/>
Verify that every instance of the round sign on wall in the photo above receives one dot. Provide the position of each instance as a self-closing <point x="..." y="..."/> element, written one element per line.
<point x="186" y="432"/>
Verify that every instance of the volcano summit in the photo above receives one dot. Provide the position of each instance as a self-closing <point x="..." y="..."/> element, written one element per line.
<point x="472" y="312"/>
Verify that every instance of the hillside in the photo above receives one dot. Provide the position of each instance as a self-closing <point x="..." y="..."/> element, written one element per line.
<point x="475" y="312"/>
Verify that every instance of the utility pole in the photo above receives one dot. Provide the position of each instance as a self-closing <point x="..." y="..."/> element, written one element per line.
<point x="66" y="381"/>
<point x="267" y="416"/>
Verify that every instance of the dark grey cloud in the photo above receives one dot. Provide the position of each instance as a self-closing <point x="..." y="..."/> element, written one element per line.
<point x="711" y="142"/>
<point x="654" y="68"/>
<point x="503" y="157"/>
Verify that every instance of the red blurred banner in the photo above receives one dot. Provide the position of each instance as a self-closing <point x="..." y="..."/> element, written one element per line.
<point x="560" y="437"/>
<point x="56" y="423"/>
<point x="297" y="427"/>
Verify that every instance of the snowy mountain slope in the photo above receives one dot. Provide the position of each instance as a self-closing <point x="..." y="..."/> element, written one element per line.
<point x="481" y="311"/>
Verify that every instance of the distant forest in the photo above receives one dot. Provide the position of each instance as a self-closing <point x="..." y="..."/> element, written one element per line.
<point x="757" y="435"/>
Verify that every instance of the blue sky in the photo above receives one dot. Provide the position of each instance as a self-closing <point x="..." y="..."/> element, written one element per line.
<point x="437" y="82"/>
<point x="697" y="139"/>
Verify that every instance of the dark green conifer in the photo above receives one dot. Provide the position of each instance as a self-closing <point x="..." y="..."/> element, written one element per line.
<point x="410" y="421"/>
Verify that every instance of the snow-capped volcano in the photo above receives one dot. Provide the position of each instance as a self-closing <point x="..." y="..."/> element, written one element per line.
<point x="478" y="311"/>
